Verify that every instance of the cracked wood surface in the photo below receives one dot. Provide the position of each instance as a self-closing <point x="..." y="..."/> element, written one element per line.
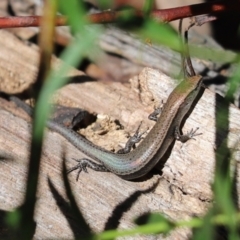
<point x="180" y="190"/>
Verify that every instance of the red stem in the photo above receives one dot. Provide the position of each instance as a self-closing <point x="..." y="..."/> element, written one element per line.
<point x="165" y="15"/>
<point x="171" y="14"/>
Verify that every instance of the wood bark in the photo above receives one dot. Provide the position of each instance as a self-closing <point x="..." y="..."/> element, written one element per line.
<point x="180" y="190"/>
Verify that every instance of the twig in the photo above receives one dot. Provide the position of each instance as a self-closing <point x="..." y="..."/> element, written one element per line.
<point x="163" y="15"/>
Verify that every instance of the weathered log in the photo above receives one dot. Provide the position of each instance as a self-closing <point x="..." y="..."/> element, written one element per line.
<point x="182" y="188"/>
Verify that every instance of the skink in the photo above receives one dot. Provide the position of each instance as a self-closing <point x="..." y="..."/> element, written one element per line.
<point x="149" y="152"/>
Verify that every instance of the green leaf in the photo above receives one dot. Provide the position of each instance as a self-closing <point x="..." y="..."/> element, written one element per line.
<point x="13" y="219"/>
<point x="76" y="14"/>
<point x="161" y="33"/>
<point x="153" y="218"/>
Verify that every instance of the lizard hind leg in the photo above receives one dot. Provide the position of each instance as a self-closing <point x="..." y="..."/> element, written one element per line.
<point x="85" y="163"/>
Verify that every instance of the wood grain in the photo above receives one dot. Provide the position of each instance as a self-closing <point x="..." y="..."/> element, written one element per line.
<point x="181" y="189"/>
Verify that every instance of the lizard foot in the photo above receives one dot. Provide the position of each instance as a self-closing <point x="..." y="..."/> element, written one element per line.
<point x="83" y="164"/>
